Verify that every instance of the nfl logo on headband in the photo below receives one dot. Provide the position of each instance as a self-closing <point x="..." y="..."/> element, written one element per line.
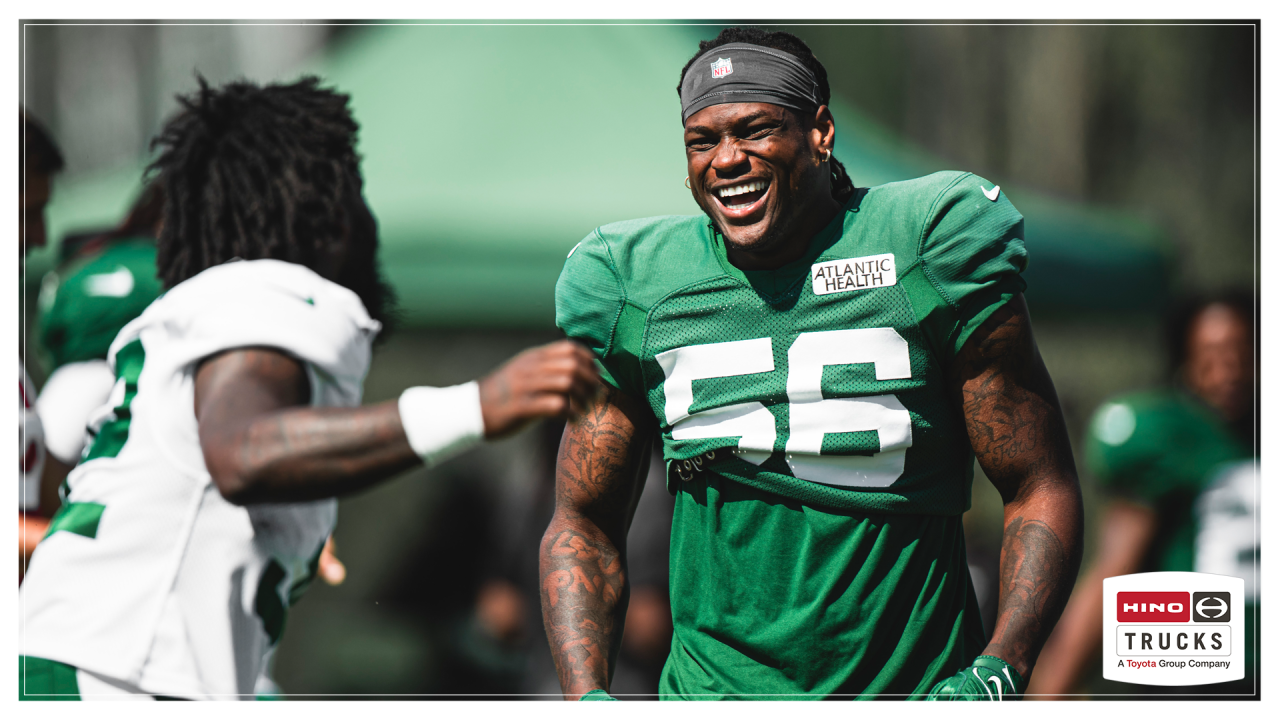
<point x="721" y="67"/>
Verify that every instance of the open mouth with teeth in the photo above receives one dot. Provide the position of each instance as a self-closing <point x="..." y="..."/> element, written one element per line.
<point x="738" y="199"/>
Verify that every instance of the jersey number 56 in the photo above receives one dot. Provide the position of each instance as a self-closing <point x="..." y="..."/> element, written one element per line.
<point x="812" y="416"/>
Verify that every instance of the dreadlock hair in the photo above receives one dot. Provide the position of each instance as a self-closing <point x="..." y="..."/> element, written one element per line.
<point x="256" y="172"/>
<point x="841" y="184"/>
<point x="36" y="149"/>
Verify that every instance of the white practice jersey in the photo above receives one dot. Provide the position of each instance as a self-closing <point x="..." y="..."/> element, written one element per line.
<point x="31" y="448"/>
<point x="148" y="575"/>
<point x="1227" y="537"/>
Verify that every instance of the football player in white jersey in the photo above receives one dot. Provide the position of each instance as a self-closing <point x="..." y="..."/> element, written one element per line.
<point x="38" y="160"/>
<point x="199" y="509"/>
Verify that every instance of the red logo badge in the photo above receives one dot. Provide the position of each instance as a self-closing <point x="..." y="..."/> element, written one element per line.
<point x="1153" y="607"/>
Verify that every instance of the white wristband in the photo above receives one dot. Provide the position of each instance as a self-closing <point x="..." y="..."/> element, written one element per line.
<point x="442" y="422"/>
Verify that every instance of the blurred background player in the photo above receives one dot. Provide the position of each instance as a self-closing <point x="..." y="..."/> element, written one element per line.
<point x="1175" y="464"/>
<point x="202" y="504"/>
<point x="38" y="160"/>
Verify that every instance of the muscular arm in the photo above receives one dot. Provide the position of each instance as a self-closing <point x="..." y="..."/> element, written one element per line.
<point x="600" y="474"/>
<point x="1018" y="434"/>
<point x="1126" y="533"/>
<point x="262" y="443"/>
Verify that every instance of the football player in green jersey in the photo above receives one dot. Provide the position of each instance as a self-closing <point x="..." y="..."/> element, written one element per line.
<point x="1157" y="454"/>
<point x="821" y="364"/>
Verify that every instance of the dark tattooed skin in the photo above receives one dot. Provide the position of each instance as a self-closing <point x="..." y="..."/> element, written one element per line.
<point x="1018" y="434"/>
<point x="600" y="473"/>
<point x="262" y="443"/>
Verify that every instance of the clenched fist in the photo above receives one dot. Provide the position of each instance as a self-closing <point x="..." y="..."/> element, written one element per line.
<point x="553" y="380"/>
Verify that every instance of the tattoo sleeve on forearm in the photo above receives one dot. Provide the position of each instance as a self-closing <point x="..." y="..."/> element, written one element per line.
<point x="1036" y="576"/>
<point x="583" y="565"/>
<point x="583" y="584"/>
<point x="1019" y="437"/>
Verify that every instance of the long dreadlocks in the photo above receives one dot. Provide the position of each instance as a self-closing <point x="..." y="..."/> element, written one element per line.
<point x="841" y="184"/>
<point x="256" y="172"/>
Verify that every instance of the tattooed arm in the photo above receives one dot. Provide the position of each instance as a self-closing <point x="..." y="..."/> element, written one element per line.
<point x="262" y="443"/>
<point x="1125" y="532"/>
<point x="1018" y="434"/>
<point x="604" y="456"/>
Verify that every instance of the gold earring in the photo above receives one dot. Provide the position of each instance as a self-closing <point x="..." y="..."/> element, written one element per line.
<point x="686" y="182"/>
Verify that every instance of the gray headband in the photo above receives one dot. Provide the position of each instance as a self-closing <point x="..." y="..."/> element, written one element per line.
<point x="739" y="73"/>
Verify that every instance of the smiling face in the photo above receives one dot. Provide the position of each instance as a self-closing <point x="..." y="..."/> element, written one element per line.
<point x="757" y="170"/>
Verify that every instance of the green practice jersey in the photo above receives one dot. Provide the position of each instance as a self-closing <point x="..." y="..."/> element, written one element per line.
<point x="1159" y="449"/>
<point x="1167" y="450"/>
<point x="85" y="304"/>
<point x="816" y="545"/>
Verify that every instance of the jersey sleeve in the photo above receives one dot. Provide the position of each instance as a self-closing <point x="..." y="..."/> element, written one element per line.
<point x="973" y="251"/>
<point x="267" y="303"/>
<point x="1123" y="450"/>
<point x="83" y="307"/>
<point x="590" y="299"/>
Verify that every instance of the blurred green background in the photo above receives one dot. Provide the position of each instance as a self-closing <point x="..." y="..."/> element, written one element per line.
<point x="490" y="150"/>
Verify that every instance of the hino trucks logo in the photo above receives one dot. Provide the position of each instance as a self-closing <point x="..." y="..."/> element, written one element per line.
<point x="1173" y="628"/>
<point x="1212" y="607"/>
<point x="1153" y="607"/>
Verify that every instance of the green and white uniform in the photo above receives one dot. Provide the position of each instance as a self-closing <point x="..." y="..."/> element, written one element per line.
<point x="83" y="306"/>
<point x="818" y="548"/>
<point x="84" y="303"/>
<point x="1168" y="451"/>
<point x="1160" y="449"/>
<point x="148" y="576"/>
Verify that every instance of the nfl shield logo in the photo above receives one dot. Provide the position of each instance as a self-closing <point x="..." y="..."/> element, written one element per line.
<point x="721" y="67"/>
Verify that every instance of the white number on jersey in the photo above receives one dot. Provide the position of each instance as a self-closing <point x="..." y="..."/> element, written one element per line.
<point x="1227" y="539"/>
<point x="812" y="416"/>
<point x="751" y="420"/>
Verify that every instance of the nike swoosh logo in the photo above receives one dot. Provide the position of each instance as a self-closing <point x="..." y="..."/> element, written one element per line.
<point x="991" y="194"/>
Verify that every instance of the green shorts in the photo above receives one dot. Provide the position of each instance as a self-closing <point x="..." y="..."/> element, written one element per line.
<point x="40" y="679"/>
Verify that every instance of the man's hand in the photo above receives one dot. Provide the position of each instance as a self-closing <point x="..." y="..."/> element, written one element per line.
<point x="31" y="529"/>
<point x="556" y="380"/>
<point x="262" y="443"/>
<point x="988" y="678"/>
<point x="1019" y="437"/>
<point x="331" y="569"/>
